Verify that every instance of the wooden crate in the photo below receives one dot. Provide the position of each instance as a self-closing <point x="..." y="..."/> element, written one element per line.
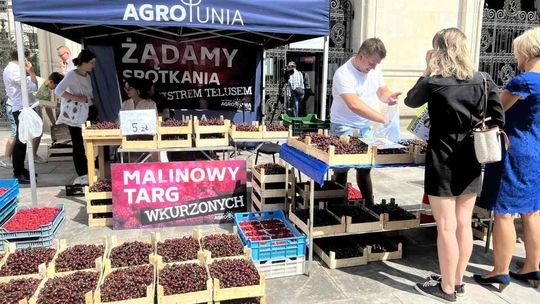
<point x="203" y="296"/>
<point x="92" y="196"/>
<point x="223" y="294"/>
<point x="94" y="221"/>
<point x="198" y="129"/>
<point x="139" y="144"/>
<point x="99" y="133"/>
<point x="88" y="297"/>
<point x="174" y="143"/>
<point x="114" y="243"/>
<point x="333" y="159"/>
<point x="480" y="232"/>
<point x="261" y="204"/>
<point x="482" y="212"/>
<point x="269" y="178"/>
<point x="389" y="159"/>
<point x="149" y="298"/>
<point x="385" y="256"/>
<point x="303" y="189"/>
<point x="404" y="224"/>
<point x="10" y="248"/>
<point x="156" y="239"/>
<point x="298" y="144"/>
<point x="246" y="135"/>
<point x="318" y="231"/>
<point x="418" y="156"/>
<point x="276" y="134"/>
<point x="211" y="142"/>
<point x="333" y="263"/>
<point x="267" y="193"/>
<point x="51" y="268"/>
<point x="363" y="227"/>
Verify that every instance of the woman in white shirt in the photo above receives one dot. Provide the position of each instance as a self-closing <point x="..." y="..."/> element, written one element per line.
<point x="77" y="86"/>
<point x="137" y="91"/>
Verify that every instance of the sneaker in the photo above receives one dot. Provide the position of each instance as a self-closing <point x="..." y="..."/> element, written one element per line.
<point x="6" y="163"/>
<point x="39" y="160"/>
<point x="22" y="179"/>
<point x="433" y="290"/>
<point x="460" y="289"/>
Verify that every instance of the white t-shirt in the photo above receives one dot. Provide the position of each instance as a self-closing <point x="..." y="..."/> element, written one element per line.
<point x="76" y="84"/>
<point x="348" y="79"/>
<point x="12" y="84"/>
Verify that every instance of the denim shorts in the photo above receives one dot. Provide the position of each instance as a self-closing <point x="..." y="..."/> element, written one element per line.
<point x="11" y="120"/>
<point x="339" y="129"/>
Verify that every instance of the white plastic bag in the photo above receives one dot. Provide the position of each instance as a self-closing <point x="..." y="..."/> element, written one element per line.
<point x="73" y="113"/>
<point x="391" y="130"/>
<point x="30" y="125"/>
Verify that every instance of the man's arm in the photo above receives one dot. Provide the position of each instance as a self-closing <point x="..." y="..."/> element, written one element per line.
<point x="357" y="106"/>
<point x="387" y="96"/>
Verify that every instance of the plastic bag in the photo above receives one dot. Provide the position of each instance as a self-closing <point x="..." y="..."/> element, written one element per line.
<point x="391" y="130"/>
<point x="30" y="125"/>
<point x="73" y="113"/>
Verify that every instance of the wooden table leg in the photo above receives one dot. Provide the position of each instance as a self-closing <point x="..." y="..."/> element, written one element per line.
<point x="90" y="161"/>
<point x="101" y="159"/>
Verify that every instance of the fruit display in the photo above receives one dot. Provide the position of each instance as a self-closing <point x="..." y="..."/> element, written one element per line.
<point x="321" y="217"/>
<point x="26" y="261"/>
<point x="212" y="122"/>
<point x="102" y="185"/>
<point x="130" y="254"/>
<point x="357" y="214"/>
<point x="271" y="168"/>
<point x="353" y="193"/>
<point x="223" y="245"/>
<point x="127" y="283"/>
<point x="78" y="257"/>
<point x="344" y="248"/>
<point x="31" y="218"/>
<point x="323" y="142"/>
<point x="70" y="288"/>
<point x="395" y="212"/>
<point x="247" y="128"/>
<point x="275" y="127"/>
<point x="393" y="151"/>
<point x="265" y="230"/>
<point x="18" y="289"/>
<point x="183" y="278"/>
<point x="243" y="301"/>
<point x="171" y="122"/>
<point x="3" y="190"/>
<point x="178" y="250"/>
<point x="103" y="125"/>
<point x="234" y="273"/>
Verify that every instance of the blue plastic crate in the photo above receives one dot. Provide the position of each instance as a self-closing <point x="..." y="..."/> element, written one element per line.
<point x="43" y="231"/>
<point x="7" y="211"/>
<point x="37" y="241"/>
<point x="11" y="194"/>
<point x="271" y="249"/>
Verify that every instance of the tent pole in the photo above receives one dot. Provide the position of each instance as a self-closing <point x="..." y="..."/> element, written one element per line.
<point x="324" y="86"/>
<point x="263" y="93"/>
<point x="24" y="90"/>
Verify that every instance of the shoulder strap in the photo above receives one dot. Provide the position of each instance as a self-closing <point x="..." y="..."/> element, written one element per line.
<point x="484" y="110"/>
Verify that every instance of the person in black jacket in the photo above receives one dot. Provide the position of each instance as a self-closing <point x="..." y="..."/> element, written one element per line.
<point x="454" y="94"/>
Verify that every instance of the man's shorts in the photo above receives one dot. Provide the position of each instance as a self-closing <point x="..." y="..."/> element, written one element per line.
<point x="339" y="130"/>
<point x="11" y="120"/>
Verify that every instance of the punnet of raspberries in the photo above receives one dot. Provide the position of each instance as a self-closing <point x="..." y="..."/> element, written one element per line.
<point x="131" y="254"/>
<point x="70" y="288"/>
<point x="78" y="257"/>
<point x="31" y="218"/>
<point x="183" y="278"/>
<point x="271" y="168"/>
<point x="223" y="245"/>
<point x="178" y="250"/>
<point x="275" y="127"/>
<point x="104" y="125"/>
<point x="102" y="185"/>
<point x="16" y="290"/>
<point x="234" y="273"/>
<point x="174" y="123"/>
<point x="3" y="190"/>
<point x="247" y="128"/>
<point x="243" y="301"/>
<point x="26" y="261"/>
<point x="127" y="283"/>
<point x="212" y="122"/>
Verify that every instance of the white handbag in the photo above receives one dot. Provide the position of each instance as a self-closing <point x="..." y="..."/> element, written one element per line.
<point x="487" y="139"/>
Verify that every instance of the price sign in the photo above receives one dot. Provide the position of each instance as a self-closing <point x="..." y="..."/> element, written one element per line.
<point x="138" y="122"/>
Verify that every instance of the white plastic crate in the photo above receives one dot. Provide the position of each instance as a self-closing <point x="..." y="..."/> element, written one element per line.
<point x="281" y="268"/>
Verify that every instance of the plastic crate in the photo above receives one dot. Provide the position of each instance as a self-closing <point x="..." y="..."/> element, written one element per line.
<point x="276" y="249"/>
<point x="43" y="231"/>
<point x="281" y="268"/>
<point x="10" y="194"/>
<point x="37" y="241"/>
<point x="7" y="211"/>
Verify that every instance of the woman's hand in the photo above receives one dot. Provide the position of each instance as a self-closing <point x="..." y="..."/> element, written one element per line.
<point x="82" y="98"/>
<point x="427" y="71"/>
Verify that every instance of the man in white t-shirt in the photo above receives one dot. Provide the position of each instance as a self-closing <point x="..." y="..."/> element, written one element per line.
<point x="66" y="61"/>
<point x="358" y="87"/>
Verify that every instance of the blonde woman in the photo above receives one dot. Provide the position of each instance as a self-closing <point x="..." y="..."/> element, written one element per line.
<point x="454" y="94"/>
<point x="513" y="185"/>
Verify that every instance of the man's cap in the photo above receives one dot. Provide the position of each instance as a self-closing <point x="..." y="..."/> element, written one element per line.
<point x="292" y="63"/>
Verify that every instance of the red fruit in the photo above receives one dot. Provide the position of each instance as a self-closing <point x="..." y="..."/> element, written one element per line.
<point x="31" y="219"/>
<point x="3" y="190"/>
<point x="16" y="290"/>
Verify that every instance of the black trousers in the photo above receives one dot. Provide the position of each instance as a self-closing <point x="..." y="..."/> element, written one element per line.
<point x="19" y="151"/>
<point x="79" y="156"/>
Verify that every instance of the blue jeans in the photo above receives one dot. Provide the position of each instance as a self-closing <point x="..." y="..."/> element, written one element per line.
<point x="339" y="130"/>
<point x="296" y="100"/>
<point x="11" y="120"/>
